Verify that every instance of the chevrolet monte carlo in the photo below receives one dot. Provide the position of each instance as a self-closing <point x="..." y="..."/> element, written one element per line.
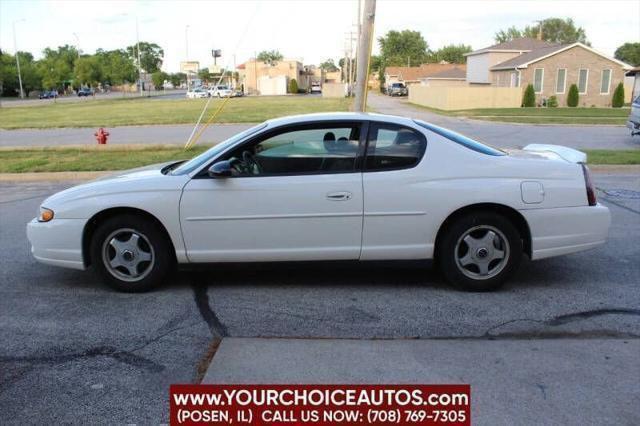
<point x="335" y="186"/>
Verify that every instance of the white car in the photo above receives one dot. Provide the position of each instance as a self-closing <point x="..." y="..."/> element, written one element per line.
<point x="197" y="93"/>
<point x="316" y="87"/>
<point x="348" y="186"/>
<point x="221" y="91"/>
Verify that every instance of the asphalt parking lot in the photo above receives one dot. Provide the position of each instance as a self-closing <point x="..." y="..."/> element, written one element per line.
<point x="74" y="350"/>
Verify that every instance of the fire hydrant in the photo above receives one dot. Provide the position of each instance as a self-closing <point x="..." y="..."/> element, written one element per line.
<point x="101" y="136"/>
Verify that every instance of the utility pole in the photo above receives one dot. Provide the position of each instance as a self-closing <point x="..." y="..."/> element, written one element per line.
<point x="15" y="47"/>
<point x="364" y="54"/>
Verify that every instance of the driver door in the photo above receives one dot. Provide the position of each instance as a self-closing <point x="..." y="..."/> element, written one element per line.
<point x="295" y="194"/>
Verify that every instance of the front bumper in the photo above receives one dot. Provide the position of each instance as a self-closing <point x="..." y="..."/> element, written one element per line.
<point x="633" y="125"/>
<point x="565" y="230"/>
<point x="58" y="242"/>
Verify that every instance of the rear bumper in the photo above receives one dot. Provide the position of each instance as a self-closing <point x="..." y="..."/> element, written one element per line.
<point x="560" y="231"/>
<point x="58" y="242"/>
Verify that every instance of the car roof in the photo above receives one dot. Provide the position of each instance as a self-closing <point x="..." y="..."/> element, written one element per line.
<point x="340" y="116"/>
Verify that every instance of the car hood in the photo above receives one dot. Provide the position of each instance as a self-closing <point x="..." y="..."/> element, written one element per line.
<point x="141" y="179"/>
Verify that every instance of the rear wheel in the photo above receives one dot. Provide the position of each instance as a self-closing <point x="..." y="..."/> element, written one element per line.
<point x="131" y="253"/>
<point x="479" y="251"/>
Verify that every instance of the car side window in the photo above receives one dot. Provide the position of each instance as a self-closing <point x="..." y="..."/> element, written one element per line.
<point x="392" y="147"/>
<point x="299" y="150"/>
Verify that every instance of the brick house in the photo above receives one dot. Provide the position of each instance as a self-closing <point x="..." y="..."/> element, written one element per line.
<point x="550" y="68"/>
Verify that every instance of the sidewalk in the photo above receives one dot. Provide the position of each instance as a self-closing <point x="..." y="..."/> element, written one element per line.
<point x="542" y="381"/>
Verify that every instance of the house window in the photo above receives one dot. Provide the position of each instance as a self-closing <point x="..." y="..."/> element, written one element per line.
<point x="605" y="83"/>
<point x="515" y="79"/>
<point x="561" y="80"/>
<point x="583" y="76"/>
<point x="538" y="75"/>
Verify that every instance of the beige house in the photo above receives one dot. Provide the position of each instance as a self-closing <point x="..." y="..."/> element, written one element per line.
<point x="414" y="75"/>
<point x="257" y="77"/>
<point x="550" y="68"/>
<point x="454" y="77"/>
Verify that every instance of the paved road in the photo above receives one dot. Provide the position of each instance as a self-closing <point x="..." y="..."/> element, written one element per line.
<point x="79" y="349"/>
<point x="169" y="134"/>
<point x="504" y="135"/>
<point x="497" y="134"/>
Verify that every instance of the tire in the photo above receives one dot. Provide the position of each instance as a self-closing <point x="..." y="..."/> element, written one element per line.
<point x="131" y="253"/>
<point x="479" y="251"/>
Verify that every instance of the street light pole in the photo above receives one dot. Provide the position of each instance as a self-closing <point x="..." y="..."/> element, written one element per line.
<point x="139" y="64"/>
<point x="15" y="48"/>
<point x="186" y="59"/>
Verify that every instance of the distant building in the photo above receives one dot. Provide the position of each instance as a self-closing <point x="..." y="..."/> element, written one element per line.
<point x="550" y="67"/>
<point x="414" y="75"/>
<point x="261" y="78"/>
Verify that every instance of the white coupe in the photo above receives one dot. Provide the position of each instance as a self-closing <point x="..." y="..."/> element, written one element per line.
<point x="336" y="186"/>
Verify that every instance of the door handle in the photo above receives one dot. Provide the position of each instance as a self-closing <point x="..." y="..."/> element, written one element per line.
<point x="339" y="196"/>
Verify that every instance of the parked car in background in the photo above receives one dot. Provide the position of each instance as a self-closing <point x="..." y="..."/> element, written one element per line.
<point x="48" y="94"/>
<point x="85" y="92"/>
<point x="633" y="122"/>
<point x="397" y="89"/>
<point x="316" y="87"/>
<point x="221" y="91"/>
<point x="196" y="93"/>
<point x="353" y="186"/>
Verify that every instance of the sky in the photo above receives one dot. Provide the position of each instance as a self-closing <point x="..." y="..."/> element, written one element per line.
<point x="309" y="30"/>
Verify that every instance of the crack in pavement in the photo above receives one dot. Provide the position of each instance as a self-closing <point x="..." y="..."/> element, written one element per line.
<point x="566" y="319"/>
<point x="201" y="297"/>
<point x="126" y="357"/>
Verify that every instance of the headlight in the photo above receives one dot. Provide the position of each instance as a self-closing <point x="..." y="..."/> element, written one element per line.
<point x="45" y="215"/>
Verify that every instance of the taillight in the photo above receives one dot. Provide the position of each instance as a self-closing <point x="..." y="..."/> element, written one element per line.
<point x="591" y="190"/>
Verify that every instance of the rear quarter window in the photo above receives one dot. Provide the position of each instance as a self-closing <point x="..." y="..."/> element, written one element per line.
<point x="461" y="139"/>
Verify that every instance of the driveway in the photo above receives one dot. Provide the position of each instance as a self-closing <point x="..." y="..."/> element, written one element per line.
<point x="504" y="135"/>
<point x="86" y="353"/>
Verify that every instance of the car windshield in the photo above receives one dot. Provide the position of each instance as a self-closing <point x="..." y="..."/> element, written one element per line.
<point x="461" y="139"/>
<point x="222" y="88"/>
<point x="397" y="85"/>
<point x="203" y="158"/>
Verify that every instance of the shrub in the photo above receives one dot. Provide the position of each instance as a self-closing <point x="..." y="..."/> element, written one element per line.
<point x="573" y="97"/>
<point x="529" y="98"/>
<point x="618" y="96"/>
<point x="293" y="86"/>
<point x="552" y="102"/>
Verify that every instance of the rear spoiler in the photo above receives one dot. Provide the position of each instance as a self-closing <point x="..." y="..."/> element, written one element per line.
<point x="568" y="154"/>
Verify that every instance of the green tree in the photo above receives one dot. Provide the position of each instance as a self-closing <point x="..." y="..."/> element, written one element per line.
<point x="375" y="63"/>
<point x="57" y="66"/>
<point x="552" y="102"/>
<point x="452" y="53"/>
<point x="158" y="78"/>
<point x="204" y="74"/>
<point x="293" y="86"/>
<point x="177" y="78"/>
<point x="554" y="30"/>
<point x="329" y="66"/>
<point x="573" y="97"/>
<point x="629" y="53"/>
<point x="87" y="70"/>
<point x="618" y="96"/>
<point x="529" y="97"/>
<point x="507" y="35"/>
<point x="117" y="67"/>
<point x="270" y="57"/>
<point x="151" y="56"/>
<point x="400" y="48"/>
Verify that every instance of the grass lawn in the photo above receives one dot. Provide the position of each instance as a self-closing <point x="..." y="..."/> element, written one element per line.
<point x="616" y="116"/>
<point x="113" y="157"/>
<point x="124" y="112"/>
<point x="92" y="158"/>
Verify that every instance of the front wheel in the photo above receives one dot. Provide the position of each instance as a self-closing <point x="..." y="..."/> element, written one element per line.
<point x="479" y="251"/>
<point x="132" y="254"/>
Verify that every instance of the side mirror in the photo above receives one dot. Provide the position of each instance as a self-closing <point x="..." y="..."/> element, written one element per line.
<point x="220" y="169"/>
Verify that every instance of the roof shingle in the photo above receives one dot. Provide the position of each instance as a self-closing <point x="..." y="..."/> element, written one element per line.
<point x="520" y="44"/>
